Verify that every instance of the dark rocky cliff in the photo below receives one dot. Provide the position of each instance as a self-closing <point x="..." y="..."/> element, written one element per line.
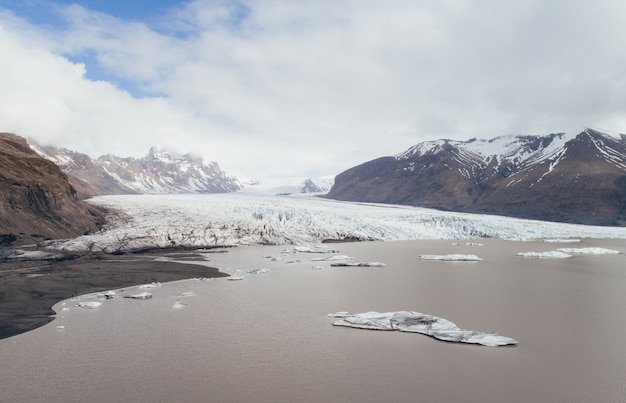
<point x="36" y="200"/>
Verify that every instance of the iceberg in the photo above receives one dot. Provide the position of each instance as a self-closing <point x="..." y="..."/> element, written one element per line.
<point x="555" y="254"/>
<point x="314" y="249"/>
<point x="589" y="251"/>
<point x="332" y="258"/>
<point x="258" y="271"/>
<point x="89" y="304"/>
<point x="142" y="295"/>
<point x="415" y="322"/>
<point x="452" y="258"/>
<point x="359" y="264"/>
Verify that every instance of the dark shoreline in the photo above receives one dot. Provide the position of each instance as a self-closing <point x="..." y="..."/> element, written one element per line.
<point x="29" y="289"/>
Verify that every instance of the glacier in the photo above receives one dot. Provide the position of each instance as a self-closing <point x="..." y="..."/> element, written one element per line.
<point x="136" y="222"/>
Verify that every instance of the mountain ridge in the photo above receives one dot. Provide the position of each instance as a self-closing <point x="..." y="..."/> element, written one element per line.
<point x="159" y="172"/>
<point x="37" y="202"/>
<point x="556" y="177"/>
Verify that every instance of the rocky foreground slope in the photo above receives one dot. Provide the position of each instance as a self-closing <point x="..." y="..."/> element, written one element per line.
<point x="36" y="200"/>
<point x="558" y="177"/>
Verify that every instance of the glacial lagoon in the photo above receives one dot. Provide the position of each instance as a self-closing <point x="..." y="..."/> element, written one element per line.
<point x="268" y="337"/>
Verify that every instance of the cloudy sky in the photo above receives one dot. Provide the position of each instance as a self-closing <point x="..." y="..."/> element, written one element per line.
<point x="271" y="88"/>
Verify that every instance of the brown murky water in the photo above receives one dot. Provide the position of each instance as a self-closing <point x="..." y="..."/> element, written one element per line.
<point x="267" y="338"/>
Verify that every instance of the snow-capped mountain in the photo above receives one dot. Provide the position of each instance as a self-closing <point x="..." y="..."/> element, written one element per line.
<point x="283" y="186"/>
<point x="557" y="177"/>
<point x="160" y="172"/>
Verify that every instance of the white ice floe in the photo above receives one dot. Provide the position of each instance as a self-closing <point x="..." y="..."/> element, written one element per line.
<point x="148" y="286"/>
<point x="452" y="258"/>
<point x="314" y="249"/>
<point x="410" y="321"/>
<point x="359" y="264"/>
<point x="178" y="305"/>
<point x="106" y="294"/>
<point x="187" y="294"/>
<point x="557" y="240"/>
<point x="142" y="295"/>
<point x="258" y="271"/>
<point x="554" y="254"/>
<point x="468" y="244"/>
<point x="332" y="258"/>
<point x="19" y="254"/>
<point x="589" y="251"/>
<point x="234" y="278"/>
<point x="89" y="304"/>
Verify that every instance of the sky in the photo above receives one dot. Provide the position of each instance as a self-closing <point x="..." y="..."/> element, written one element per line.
<point x="286" y="89"/>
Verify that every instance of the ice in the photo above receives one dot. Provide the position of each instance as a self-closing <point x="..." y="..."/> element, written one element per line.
<point x="20" y="254"/>
<point x="359" y="264"/>
<point x="415" y="322"/>
<point x="314" y="249"/>
<point x="589" y="251"/>
<point x="148" y="286"/>
<point x="258" y="271"/>
<point x="452" y="258"/>
<point x="147" y="221"/>
<point x="571" y="240"/>
<point x="106" y="294"/>
<point x="332" y="258"/>
<point x="89" y="304"/>
<point x="142" y="295"/>
<point x="555" y="254"/>
<point x="178" y="305"/>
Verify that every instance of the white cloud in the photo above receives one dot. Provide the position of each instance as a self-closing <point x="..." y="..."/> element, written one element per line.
<point x="267" y="87"/>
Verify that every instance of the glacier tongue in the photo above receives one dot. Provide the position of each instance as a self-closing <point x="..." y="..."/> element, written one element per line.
<point x="148" y="221"/>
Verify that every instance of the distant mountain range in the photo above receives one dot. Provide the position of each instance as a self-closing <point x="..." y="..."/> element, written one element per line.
<point x="557" y="177"/>
<point x="159" y="172"/>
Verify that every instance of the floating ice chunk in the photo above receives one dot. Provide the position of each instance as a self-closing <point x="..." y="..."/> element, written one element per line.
<point x="89" y="304"/>
<point x="61" y="327"/>
<point x="359" y="264"/>
<point x="314" y="249"/>
<point x="559" y="240"/>
<point x="151" y="285"/>
<point x="187" y="294"/>
<point x="452" y="258"/>
<point x="178" y="305"/>
<point x="415" y="322"/>
<point x="258" y="271"/>
<point x="467" y="244"/>
<point x="235" y="278"/>
<point x="332" y="258"/>
<point x="142" y="295"/>
<point x="589" y="251"/>
<point x="316" y="268"/>
<point x="554" y="254"/>
<point x="106" y="294"/>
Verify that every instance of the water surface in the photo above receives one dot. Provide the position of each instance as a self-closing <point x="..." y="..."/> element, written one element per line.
<point x="267" y="337"/>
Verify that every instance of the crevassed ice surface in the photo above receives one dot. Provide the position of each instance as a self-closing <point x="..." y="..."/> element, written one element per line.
<point x="245" y="219"/>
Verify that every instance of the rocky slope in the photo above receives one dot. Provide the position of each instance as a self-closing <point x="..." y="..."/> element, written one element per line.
<point x="159" y="172"/>
<point x="558" y="177"/>
<point x="36" y="200"/>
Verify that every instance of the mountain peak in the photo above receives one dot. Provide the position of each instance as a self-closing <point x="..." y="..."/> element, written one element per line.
<point x="560" y="177"/>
